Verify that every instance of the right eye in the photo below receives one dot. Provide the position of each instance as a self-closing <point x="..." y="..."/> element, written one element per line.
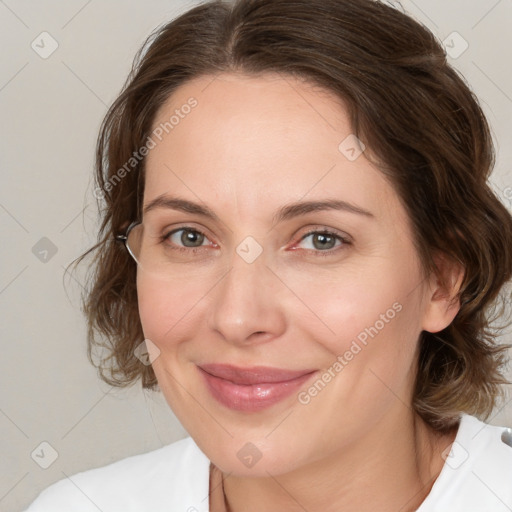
<point x="188" y="235"/>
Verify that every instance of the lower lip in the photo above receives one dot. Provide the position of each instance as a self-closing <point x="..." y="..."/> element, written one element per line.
<point x="254" y="397"/>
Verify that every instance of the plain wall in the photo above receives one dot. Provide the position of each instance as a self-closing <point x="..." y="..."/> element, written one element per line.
<point x="50" y="111"/>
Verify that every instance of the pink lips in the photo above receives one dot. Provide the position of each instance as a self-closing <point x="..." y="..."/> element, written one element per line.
<point x="251" y="389"/>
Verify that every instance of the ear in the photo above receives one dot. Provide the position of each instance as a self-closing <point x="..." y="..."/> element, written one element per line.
<point x="443" y="302"/>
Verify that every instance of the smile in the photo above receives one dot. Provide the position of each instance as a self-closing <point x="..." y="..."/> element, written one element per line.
<point x="251" y="389"/>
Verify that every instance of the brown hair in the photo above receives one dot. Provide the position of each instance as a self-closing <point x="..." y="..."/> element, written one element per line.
<point x="421" y="121"/>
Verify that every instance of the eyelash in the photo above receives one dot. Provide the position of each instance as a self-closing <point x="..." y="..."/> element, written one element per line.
<point x="328" y="252"/>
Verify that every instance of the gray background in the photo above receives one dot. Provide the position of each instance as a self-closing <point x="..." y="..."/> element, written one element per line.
<point x="51" y="110"/>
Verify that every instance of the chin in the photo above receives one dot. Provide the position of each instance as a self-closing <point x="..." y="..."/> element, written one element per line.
<point x="256" y="458"/>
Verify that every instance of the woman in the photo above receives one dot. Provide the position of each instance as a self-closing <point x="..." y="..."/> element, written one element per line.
<point x="312" y="254"/>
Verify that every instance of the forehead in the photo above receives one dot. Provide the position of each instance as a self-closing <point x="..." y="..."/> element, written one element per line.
<point x="259" y="141"/>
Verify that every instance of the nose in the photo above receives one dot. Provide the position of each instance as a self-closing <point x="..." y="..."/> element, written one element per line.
<point x="248" y="304"/>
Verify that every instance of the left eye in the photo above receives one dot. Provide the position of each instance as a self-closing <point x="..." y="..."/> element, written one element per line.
<point x="324" y="240"/>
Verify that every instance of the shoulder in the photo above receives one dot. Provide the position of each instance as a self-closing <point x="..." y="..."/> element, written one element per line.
<point x="477" y="474"/>
<point x="175" y="475"/>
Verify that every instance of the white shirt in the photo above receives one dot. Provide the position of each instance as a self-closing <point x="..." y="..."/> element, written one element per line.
<point x="476" y="477"/>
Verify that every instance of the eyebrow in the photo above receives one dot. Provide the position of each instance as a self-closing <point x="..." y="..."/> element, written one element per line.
<point x="286" y="212"/>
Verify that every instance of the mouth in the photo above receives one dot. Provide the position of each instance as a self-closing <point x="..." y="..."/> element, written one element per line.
<point x="252" y="389"/>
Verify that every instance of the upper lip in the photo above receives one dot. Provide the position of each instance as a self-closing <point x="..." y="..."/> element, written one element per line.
<point x="253" y="374"/>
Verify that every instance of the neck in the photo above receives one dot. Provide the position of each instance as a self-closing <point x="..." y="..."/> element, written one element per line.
<point x="392" y="468"/>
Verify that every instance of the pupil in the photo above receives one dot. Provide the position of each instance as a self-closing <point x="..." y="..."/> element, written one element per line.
<point x="323" y="238"/>
<point x="191" y="236"/>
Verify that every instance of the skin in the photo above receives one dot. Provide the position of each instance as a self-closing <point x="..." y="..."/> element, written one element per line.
<point x="250" y="146"/>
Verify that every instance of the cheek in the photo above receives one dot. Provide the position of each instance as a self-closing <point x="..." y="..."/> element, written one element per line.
<point x="370" y="344"/>
<point x="378" y="301"/>
<point x="166" y="307"/>
<point x="370" y="357"/>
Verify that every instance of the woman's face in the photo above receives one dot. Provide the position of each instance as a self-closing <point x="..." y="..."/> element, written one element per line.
<point x="345" y="308"/>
